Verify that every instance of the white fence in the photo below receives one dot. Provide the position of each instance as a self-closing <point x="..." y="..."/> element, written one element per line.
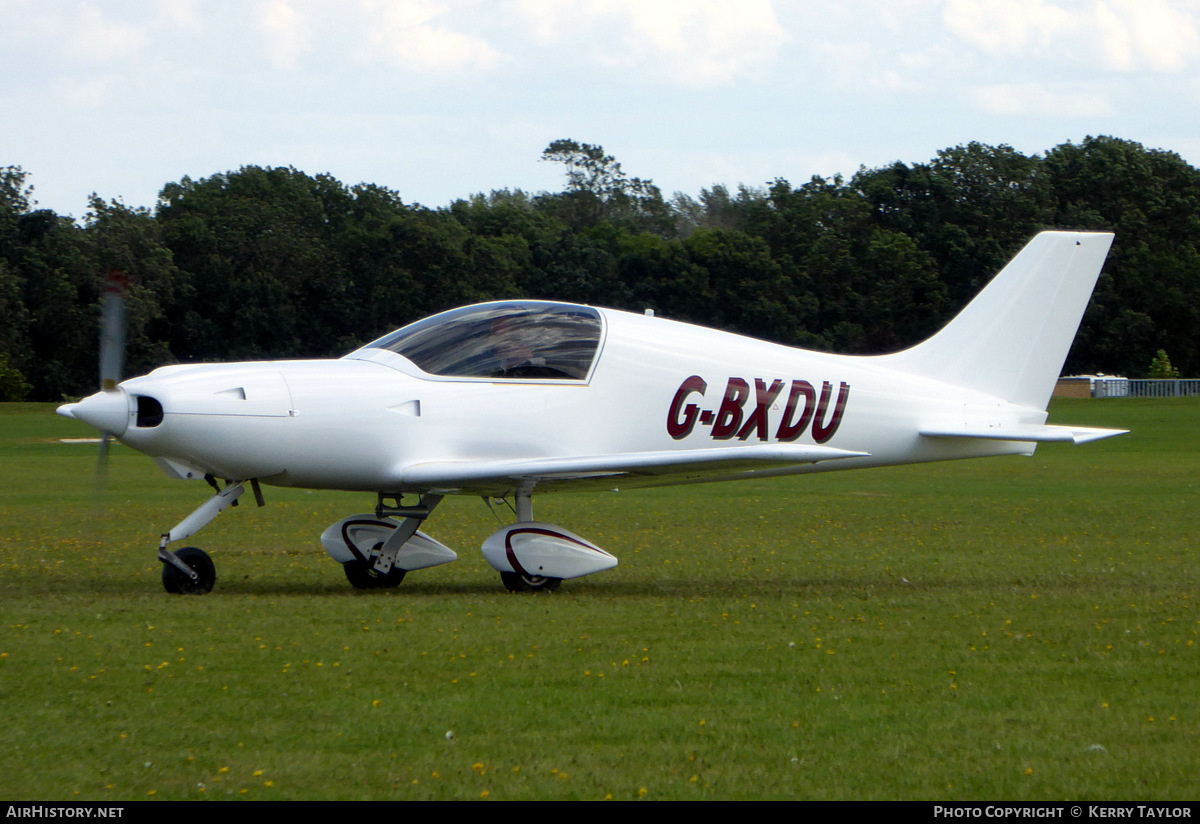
<point x="1133" y="388"/>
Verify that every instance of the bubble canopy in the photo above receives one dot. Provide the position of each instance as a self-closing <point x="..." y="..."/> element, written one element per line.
<point x="530" y="340"/>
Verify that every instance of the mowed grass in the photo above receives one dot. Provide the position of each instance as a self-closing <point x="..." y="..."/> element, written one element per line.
<point x="1013" y="628"/>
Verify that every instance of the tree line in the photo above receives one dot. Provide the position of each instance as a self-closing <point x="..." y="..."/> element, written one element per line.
<point x="275" y="263"/>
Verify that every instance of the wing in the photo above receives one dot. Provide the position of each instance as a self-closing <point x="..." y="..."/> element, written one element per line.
<point x="608" y="471"/>
<point x="1048" y="433"/>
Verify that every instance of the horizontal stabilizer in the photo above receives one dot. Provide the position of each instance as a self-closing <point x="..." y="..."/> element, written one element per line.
<point x="1037" y="434"/>
<point x="468" y="473"/>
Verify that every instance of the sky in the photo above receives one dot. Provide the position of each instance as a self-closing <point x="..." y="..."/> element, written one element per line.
<point x="442" y="99"/>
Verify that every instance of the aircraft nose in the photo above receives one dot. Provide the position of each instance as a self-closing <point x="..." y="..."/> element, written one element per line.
<point x="105" y="411"/>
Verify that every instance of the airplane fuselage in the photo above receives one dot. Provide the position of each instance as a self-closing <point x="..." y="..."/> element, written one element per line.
<point x="357" y="423"/>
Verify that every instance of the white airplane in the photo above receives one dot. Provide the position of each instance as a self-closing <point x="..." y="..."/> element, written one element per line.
<point x="504" y="399"/>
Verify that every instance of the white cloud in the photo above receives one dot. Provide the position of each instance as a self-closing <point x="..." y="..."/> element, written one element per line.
<point x="861" y="65"/>
<point x="1151" y="34"/>
<point x="404" y="13"/>
<point x="89" y="93"/>
<point x="789" y="88"/>
<point x="701" y="43"/>
<point x="93" y="36"/>
<point x="183" y="13"/>
<point x="286" y="32"/>
<point x="1127" y="35"/>
<point x="848" y="63"/>
<point x="545" y="15"/>
<point x="1007" y="27"/>
<point x="405" y="32"/>
<point x="1036" y="99"/>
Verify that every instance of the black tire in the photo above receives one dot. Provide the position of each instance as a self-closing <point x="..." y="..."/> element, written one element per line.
<point x="176" y="583"/>
<point x="517" y="582"/>
<point x="362" y="576"/>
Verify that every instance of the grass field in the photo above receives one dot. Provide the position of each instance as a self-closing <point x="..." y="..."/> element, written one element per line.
<point x="1013" y="628"/>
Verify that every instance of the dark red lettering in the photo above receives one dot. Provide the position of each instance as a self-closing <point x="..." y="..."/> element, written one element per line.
<point x="729" y="416"/>
<point x="789" y="431"/>
<point x="678" y="427"/>
<point x="758" y="418"/>
<point x="824" y="431"/>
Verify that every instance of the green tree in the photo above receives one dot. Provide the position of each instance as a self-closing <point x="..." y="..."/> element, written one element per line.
<point x="48" y="298"/>
<point x="14" y="328"/>
<point x="130" y="241"/>
<point x="971" y="208"/>
<point x="13" y="386"/>
<point x="1149" y="292"/>
<point x="715" y="208"/>
<point x="257" y="248"/>
<point x="1161" y="368"/>
<point x="744" y="288"/>
<point x="858" y="284"/>
<point x="599" y="190"/>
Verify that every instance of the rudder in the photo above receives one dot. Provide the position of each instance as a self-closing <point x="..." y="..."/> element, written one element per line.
<point x="1012" y="339"/>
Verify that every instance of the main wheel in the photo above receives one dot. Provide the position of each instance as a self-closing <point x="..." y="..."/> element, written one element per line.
<point x="175" y="582"/>
<point x="363" y="576"/>
<point x="518" y="582"/>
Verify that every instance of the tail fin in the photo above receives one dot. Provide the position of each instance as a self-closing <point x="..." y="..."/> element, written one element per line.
<point x="1012" y="339"/>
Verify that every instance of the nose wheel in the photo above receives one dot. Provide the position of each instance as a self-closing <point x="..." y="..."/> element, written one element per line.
<point x="177" y="582"/>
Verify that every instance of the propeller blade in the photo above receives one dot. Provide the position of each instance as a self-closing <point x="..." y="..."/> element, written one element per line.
<point x="112" y="330"/>
<point x="102" y="465"/>
<point x="113" y="321"/>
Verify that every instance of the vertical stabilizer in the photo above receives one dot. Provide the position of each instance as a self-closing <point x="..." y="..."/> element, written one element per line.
<point x="1012" y="339"/>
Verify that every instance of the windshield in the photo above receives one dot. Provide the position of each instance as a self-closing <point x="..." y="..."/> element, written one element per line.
<point x="514" y="339"/>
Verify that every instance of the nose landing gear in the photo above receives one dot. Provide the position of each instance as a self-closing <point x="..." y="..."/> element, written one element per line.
<point x="189" y="571"/>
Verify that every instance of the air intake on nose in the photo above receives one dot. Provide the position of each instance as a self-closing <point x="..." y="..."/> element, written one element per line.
<point x="149" y="412"/>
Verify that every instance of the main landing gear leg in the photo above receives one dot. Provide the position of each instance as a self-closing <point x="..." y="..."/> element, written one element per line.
<point x="376" y="550"/>
<point x="190" y="570"/>
<point x="379" y="570"/>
